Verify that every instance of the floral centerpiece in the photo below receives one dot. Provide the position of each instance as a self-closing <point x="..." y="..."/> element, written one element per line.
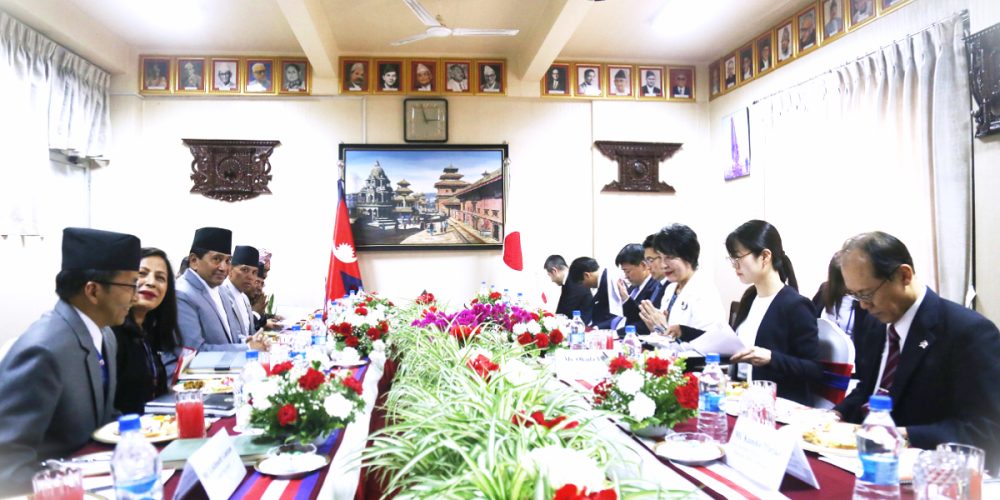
<point x="301" y="404"/>
<point x="361" y="325"/>
<point x="654" y="392"/>
<point x="538" y="332"/>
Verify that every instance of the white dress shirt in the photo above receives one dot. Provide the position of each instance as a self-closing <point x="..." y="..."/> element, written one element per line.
<point x="93" y="330"/>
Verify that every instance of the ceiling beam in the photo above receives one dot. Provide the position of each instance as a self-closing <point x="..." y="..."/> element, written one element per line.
<point x="312" y="29"/>
<point x="67" y="25"/>
<point x="558" y="22"/>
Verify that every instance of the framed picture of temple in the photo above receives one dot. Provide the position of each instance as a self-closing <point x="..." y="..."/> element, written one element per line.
<point x="425" y="197"/>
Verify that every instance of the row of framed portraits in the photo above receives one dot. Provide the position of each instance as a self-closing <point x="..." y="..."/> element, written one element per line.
<point x="818" y="24"/>
<point x="619" y="81"/>
<point x="224" y="75"/>
<point x="423" y="76"/>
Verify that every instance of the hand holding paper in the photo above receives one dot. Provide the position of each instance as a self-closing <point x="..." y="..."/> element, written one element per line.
<point x="722" y="340"/>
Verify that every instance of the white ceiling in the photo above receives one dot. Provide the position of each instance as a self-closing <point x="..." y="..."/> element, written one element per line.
<point x="610" y="30"/>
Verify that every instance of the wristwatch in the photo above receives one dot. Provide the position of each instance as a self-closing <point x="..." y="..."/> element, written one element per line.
<point x="660" y="329"/>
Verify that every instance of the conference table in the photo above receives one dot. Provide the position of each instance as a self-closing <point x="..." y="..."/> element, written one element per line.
<point x="345" y="479"/>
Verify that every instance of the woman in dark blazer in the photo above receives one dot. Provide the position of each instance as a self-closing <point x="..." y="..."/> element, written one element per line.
<point x="776" y="321"/>
<point x="147" y="339"/>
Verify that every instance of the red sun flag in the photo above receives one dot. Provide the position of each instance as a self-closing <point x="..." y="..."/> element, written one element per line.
<point x="344" y="274"/>
<point x="512" y="251"/>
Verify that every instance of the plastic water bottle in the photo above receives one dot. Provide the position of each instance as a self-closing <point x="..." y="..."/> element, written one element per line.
<point x="252" y="372"/>
<point x="483" y="291"/>
<point x="505" y="298"/>
<point x="631" y="345"/>
<point x="577" y="339"/>
<point x="711" y="390"/>
<point x="879" y="445"/>
<point x="135" y="464"/>
<point x="318" y="331"/>
<point x="519" y="302"/>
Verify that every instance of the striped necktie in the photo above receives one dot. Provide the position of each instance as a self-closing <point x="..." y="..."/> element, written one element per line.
<point x="891" y="360"/>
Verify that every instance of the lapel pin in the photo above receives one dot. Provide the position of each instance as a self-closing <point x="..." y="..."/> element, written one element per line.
<point x="923" y="344"/>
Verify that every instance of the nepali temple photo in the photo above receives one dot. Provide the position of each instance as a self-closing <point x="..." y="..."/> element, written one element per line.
<point x="500" y="249"/>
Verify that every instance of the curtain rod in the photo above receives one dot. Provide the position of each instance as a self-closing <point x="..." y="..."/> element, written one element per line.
<point x="962" y="14"/>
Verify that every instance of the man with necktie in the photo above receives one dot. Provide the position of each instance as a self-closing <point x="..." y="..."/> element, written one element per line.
<point x="57" y="381"/>
<point x="937" y="360"/>
<point x="642" y="286"/>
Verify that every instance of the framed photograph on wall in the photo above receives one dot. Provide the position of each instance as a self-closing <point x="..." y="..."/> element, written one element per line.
<point x="861" y="12"/>
<point x="354" y="75"/>
<point x="491" y="77"/>
<point x="729" y="77"/>
<point x="807" y="36"/>
<point x="388" y="76"/>
<point x="651" y="83"/>
<point x="155" y="75"/>
<point x="295" y="76"/>
<point x="738" y="150"/>
<point x="260" y="76"/>
<point x="785" y="47"/>
<point x="190" y="75"/>
<point x="587" y="81"/>
<point x="681" y="80"/>
<point x="714" y="77"/>
<point x="832" y="15"/>
<point x="620" y="83"/>
<point x="885" y="6"/>
<point x="458" y="76"/>
<point x="431" y="197"/>
<point x="224" y="76"/>
<point x="765" y="52"/>
<point x="555" y="83"/>
<point x="423" y="76"/>
<point x="746" y="71"/>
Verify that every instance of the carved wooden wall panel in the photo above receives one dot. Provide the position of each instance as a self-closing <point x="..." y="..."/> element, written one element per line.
<point x="230" y="170"/>
<point x="638" y="165"/>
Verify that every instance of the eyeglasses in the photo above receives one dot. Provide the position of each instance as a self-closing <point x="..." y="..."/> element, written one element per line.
<point x="133" y="286"/>
<point x="735" y="261"/>
<point x="650" y="260"/>
<point x="870" y="296"/>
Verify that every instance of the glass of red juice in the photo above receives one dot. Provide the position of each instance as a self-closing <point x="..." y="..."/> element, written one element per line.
<point x="190" y="414"/>
<point x="58" y="483"/>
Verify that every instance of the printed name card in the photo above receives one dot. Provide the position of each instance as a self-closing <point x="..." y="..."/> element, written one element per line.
<point x="218" y="467"/>
<point x="582" y="364"/>
<point x="764" y="454"/>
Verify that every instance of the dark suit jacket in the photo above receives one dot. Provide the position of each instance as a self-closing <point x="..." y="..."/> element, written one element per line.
<point x="135" y="375"/>
<point x="52" y="396"/>
<point x="575" y="297"/>
<point x="947" y="389"/>
<point x="789" y="330"/>
<point x="630" y="308"/>
<point x="600" y="311"/>
<point x="657" y="297"/>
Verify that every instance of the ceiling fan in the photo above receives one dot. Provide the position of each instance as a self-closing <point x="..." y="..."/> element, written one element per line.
<point x="437" y="29"/>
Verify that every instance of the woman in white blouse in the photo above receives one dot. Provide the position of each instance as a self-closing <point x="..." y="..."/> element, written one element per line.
<point x="691" y="303"/>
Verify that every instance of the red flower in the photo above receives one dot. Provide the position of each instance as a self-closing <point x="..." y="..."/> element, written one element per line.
<point x="534" y="316"/>
<point x="369" y="299"/>
<point x="474" y="301"/>
<point x="657" y="366"/>
<point x="351" y="341"/>
<point x="601" y="391"/>
<point x="495" y="296"/>
<point x="571" y="492"/>
<point x="518" y="418"/>
<point x="461" y="332"/>
<point x="687" y="394"/>
<point x="280" y="368"/>
<point x="361" y="311"/>
<point x="524" y="338"/>
<point x="384" y="326"/>
<point x="483" y="366"/>
<point x="353" y="384"/>
<point x="619" y="364"/>
<point x="344" y="328"/>
<point x="374" y="333"/>
<point x="556" y="336"/>
<point x="311" y="380"/>
<point x="542" y="340"/>
<point x="287" y="415"/>
<point x="548" y="314"/>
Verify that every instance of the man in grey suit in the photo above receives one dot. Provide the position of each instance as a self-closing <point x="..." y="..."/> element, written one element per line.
<point x="57" y="382"/>
<point x="242" y="278"/>
<point x="204" y="314"/>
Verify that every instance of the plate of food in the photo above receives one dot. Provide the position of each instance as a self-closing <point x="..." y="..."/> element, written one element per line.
<point x="830" y="438"/>
<point x="690" y="448"/>
<point x="206" y="386"/>
<point x="156" y="429"/>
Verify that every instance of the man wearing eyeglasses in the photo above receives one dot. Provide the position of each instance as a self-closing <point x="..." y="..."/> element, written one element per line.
<point x="632" y="262"/>
<point x="57" y="381"/>
<point x="656" y="270"/>
<point x="937" y="360"/>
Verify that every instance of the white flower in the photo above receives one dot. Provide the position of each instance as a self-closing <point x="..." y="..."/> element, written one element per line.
<point x="378" y="346"/>
<point x="534" y="327"/>
<point x="318" y="355"/>
<point x="349" y="355"/>
<point x="562" y="466"/>
<point x="375" y="316"/>
<point x="338" y="406"/>
<point x="261" y="391"/>
<point x="520" y="328"/>
<point x="472" y="353"/>
<point x="641" y="407"/>
<point x="551" y="323"/>
<point x="518" y="373"/>
<point x="630" y="382"/>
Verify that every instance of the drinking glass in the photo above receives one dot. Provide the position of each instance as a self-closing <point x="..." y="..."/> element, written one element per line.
<point x="190" y="415"/>
<point x="58" y="483"/>
<point x="940" y="474"/>
<point x="974" y="459"/>
<point x="758" y="401"/>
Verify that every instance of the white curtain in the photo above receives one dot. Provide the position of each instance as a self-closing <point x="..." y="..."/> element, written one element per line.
<point x="51" y="99"/>
<point x="882" y="143"/>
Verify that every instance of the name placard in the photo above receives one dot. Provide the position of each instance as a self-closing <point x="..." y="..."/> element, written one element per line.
<point x="582" y="364"/>
<point x="216" y="465"/>
<point x="764" y="454"/>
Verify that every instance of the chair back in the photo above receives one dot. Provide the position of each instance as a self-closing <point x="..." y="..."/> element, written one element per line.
<point x="836" y="354"/>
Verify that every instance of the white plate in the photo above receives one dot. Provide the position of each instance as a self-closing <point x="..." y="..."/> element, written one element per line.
<point x="824" y="450"/>
<point x="210" y="386"/>
<point x="349" y="364"/>
<point x="156" y="429"/>
<point x="291" y="465"/>
<point x="690" y="452"/>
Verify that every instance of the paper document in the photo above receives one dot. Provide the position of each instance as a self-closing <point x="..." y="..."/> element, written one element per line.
<point x="721" y="340"/>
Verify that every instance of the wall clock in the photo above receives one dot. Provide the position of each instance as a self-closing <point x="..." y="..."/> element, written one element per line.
<point x="425" y="120"/>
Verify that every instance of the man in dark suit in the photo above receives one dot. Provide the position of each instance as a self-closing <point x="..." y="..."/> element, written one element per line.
<point x="640" y="287"/>
<point x="585" y="270"/>
<point x="938" y="361"/>
<point x="57" y="381"/>
<point x="656" y="270"/>
<point x="574" y="296"/>
<point x="650" y="89"/>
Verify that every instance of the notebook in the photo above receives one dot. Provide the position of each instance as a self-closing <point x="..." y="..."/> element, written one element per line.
<point x="216" y="405"/>
<point x="218" y="361"/>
